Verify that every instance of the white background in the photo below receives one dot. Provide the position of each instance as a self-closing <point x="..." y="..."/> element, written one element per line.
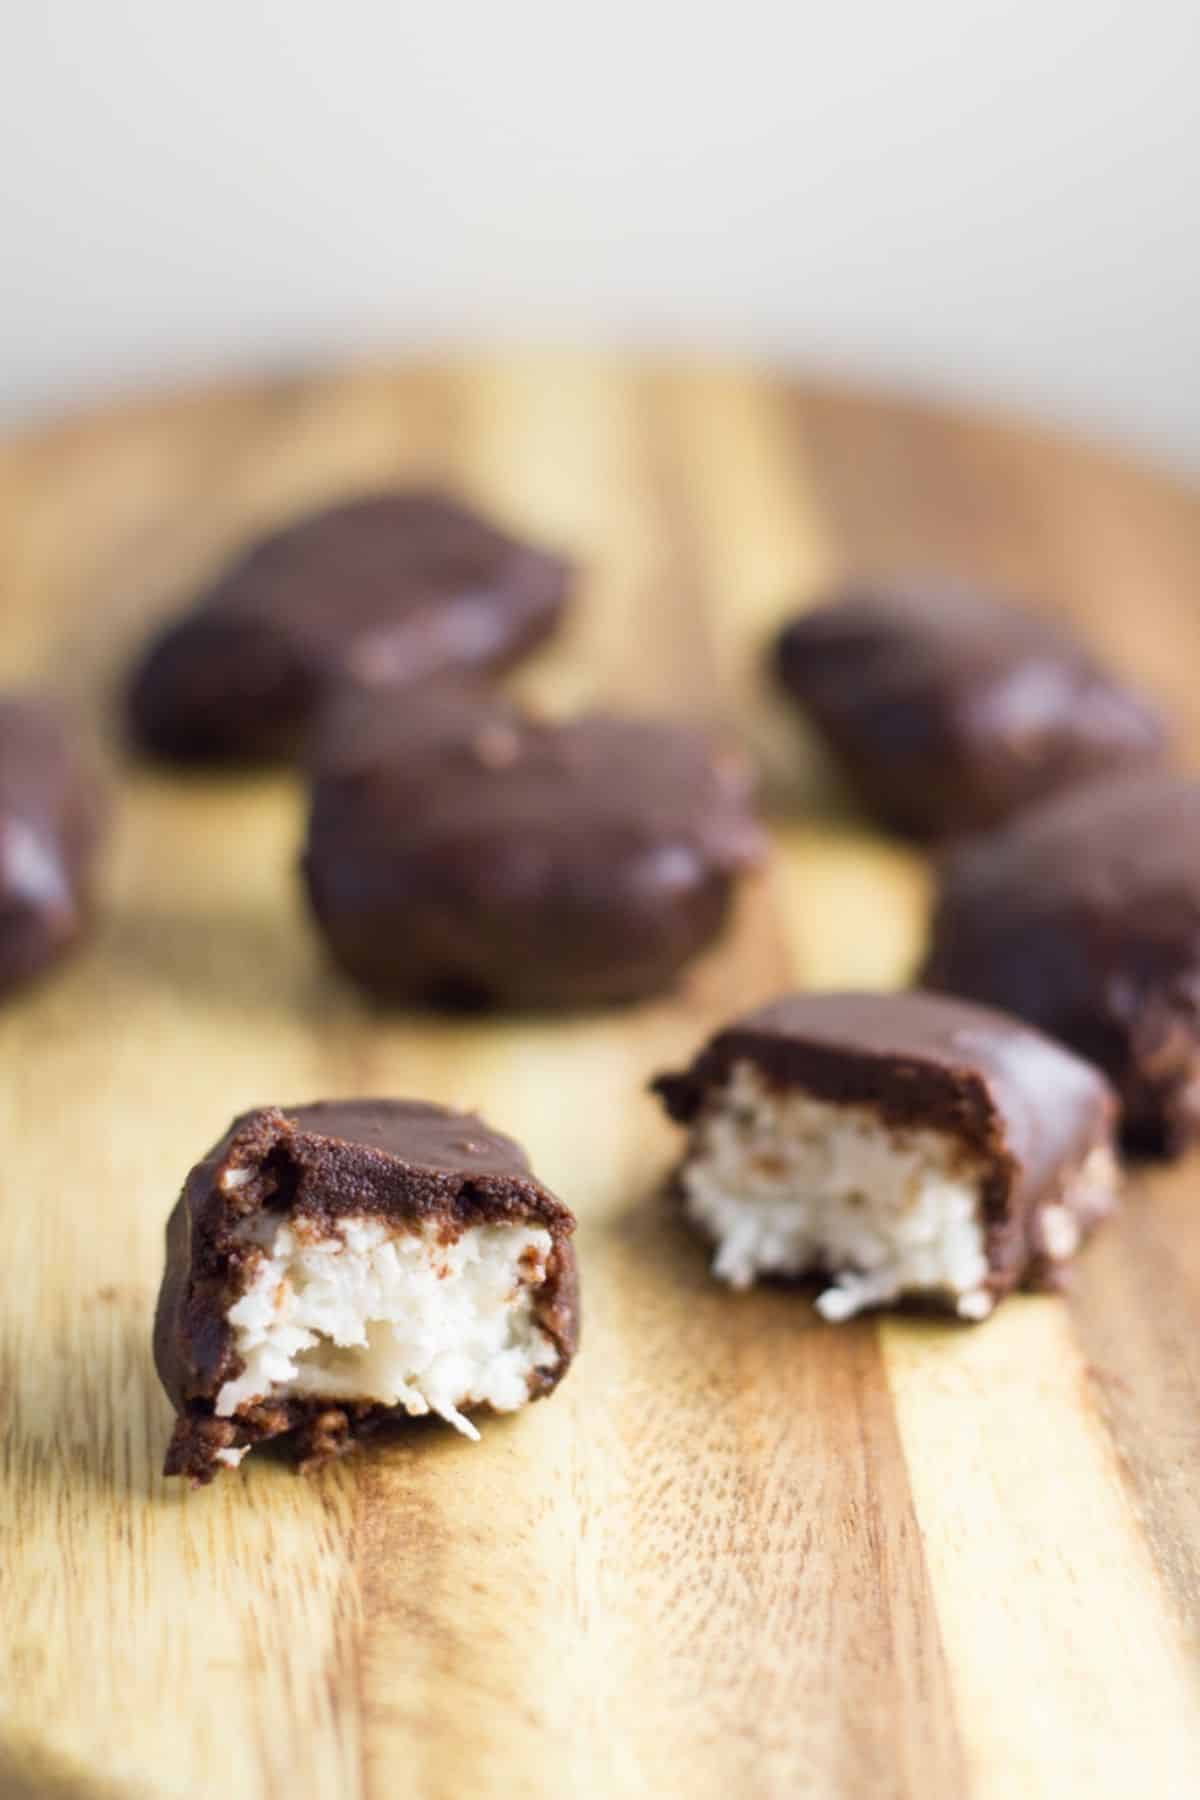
<point x="975" y="198"/>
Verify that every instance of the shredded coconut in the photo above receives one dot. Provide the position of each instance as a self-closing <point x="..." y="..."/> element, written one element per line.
<point x="394" y="1316"/>
<point x="1060" y="1232"/>
<point x="788" y="1185"/>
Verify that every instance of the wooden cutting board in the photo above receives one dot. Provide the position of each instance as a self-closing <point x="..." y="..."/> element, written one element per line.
<point x="740" y="1553"/>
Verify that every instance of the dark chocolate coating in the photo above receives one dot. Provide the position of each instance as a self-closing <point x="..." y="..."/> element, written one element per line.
<point x="401" y="1160"/>
<point x="459" y="851"/>
<point x="1030" y="1109"/>
<point x="51" y="817"/>
<point x="394" y="587"/>
<point x="1084" y="917"/>
<point x="949" y="711"/>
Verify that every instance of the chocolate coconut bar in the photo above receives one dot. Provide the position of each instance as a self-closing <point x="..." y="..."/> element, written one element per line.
<point x="393" y="588"/>
<point x="900" y="1146"/>
<point x="334" y="1266"/>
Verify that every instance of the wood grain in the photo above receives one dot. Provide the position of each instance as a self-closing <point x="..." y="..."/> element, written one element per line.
<point x="739" y="1553"/>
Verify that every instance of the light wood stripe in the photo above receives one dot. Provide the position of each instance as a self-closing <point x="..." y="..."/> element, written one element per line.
<point x="1134" y="1310"/>
<point x="1064" y="1658"/>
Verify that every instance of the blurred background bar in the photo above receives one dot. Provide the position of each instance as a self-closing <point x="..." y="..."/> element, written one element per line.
<point x="995" y="200"/>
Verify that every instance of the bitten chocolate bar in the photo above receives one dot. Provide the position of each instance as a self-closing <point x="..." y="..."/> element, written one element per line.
<point x="334" y="1266"/>
<point x="899" y="1146"/>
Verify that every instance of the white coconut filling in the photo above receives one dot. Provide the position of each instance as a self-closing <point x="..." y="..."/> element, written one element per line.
<point x="785" y="1184"/>
<point x="391" y="1316"/>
